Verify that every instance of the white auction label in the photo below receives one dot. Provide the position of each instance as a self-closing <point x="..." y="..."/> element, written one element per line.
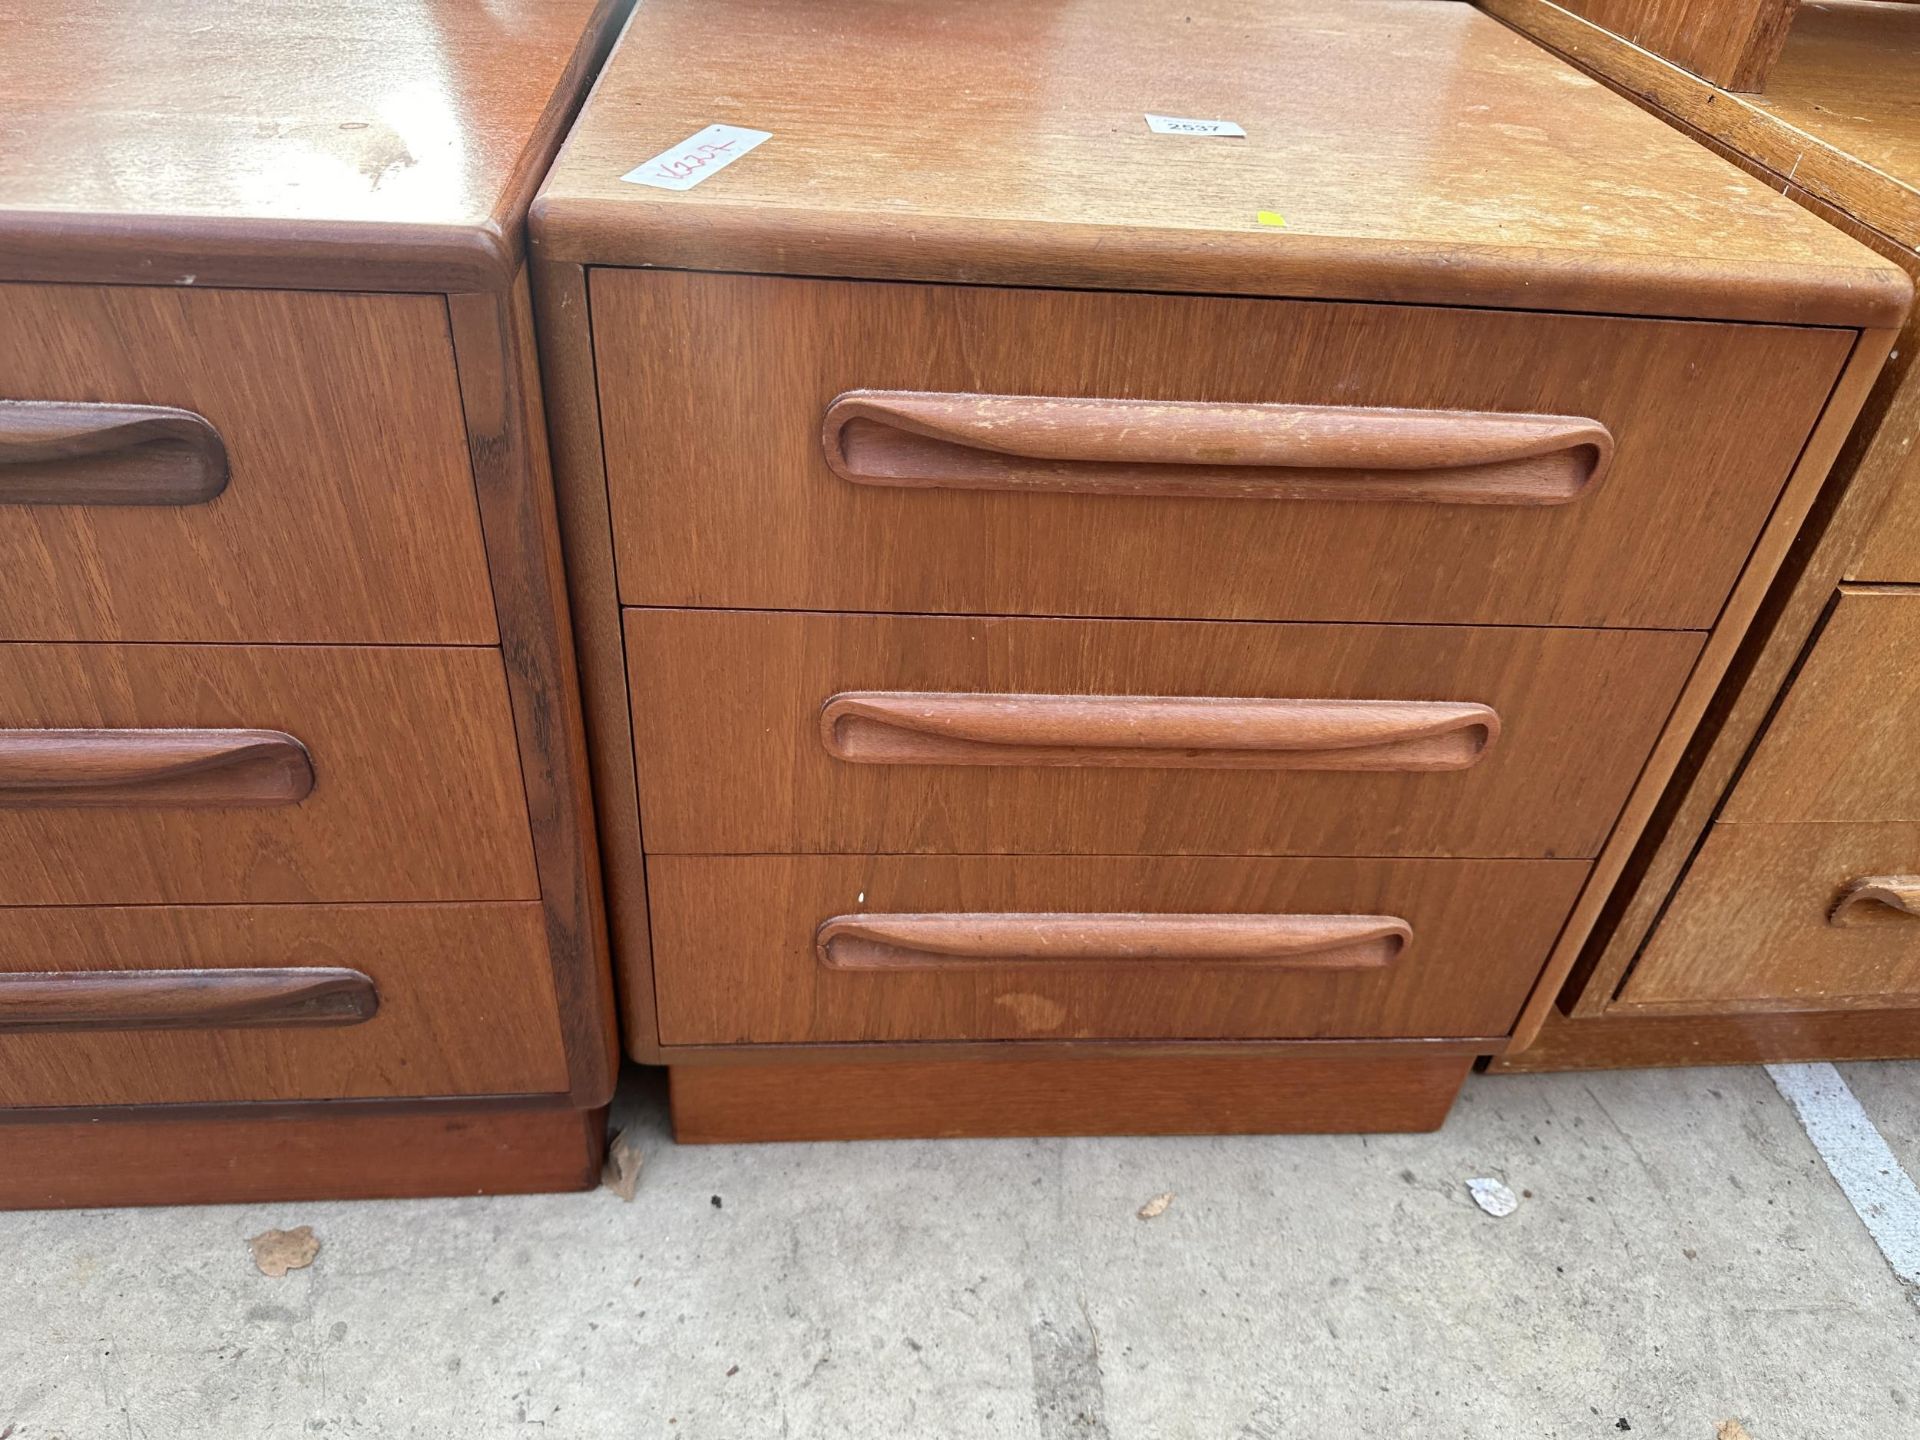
<point x="698" y="156"/>
<point x="1174" y="125"/>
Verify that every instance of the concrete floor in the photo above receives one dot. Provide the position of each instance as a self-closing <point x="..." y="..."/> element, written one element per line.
<point x="1684" y="1258"/>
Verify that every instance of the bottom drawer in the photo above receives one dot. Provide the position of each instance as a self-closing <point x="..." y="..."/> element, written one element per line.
<point x="158" y="1004"/>
<point x="822" y="948"/>
<point x="1759" y="922"/>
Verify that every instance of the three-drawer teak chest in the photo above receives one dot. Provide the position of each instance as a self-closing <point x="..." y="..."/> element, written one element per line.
<point x="1090" y="626"/>
<point x="298" y="886"/>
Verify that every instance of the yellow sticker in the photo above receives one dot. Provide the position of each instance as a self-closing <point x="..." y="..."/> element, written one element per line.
<point x="1270" y="217"/>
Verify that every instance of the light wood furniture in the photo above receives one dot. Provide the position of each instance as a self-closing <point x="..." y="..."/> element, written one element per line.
<point x="1733" y="43"/>
<point x="300" y="894"/>
<point x="1760" y="918"/>
<point x="1736" y="45"/>
<point x="1066" y="653"/>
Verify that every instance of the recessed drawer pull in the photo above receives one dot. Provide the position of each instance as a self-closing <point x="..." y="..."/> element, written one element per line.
<point x="49" y="768"/>
<point x="58" y="453"/>
<point x="1876" y="897"/>
<point x="185" y="999"/>
<point x="1200" y="449"/>
<point x="958" y="941"/>
<point x="1166" y="732"/>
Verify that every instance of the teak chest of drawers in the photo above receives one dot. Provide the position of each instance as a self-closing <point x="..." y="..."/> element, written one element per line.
<point x="298" y="885"/>
<point x="1095" y="630"/>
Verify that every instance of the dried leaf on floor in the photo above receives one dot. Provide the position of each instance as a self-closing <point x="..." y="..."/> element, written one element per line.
<point x="275" y="1252"/>
<point x="1156" y="1206"/>
<point x="621" y="1174"/>
<point x="1493" y="1197"/>
<point x="1731" y="1430"/>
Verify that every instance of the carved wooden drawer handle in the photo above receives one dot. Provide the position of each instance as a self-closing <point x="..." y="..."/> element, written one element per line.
<point x="45" y="768"/>
<point x="1165" y="732"/>
<point x="1876" y="897"/>
<point x="960" y="941"/>
<point x="185" y="999"/>
<point x="1199" y="449"/>
<point x="57" y="453"/>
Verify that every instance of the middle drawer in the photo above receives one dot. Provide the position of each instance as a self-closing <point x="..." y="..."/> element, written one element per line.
<point x="775" y="732"/>
<point x="137" y="774"/>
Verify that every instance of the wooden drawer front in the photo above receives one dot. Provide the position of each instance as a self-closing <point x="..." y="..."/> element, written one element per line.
<point x="738" y="948"/>
<point x="733" y="756"/>
<point x="715" y="390"/>
<point x="1841" y="745"/>
<point x="410" y="787"/>
<point x="342" y="502"/>
<point x="156" y="1004"/>
<point x="1772" y="917"/>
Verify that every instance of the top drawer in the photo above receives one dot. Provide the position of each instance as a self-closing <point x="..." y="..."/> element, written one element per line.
<point x="327" y="497"/>
<point x="715" y="391"/>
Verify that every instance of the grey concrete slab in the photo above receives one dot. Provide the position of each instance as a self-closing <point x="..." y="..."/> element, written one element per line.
<point x="1682" y="1259"/>
<point x="1889" y="1091"/>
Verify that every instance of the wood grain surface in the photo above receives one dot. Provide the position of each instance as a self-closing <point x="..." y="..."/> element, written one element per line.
<point x="1753" y="924"/>
<point x="1839" y="747"/>
<point x="1732" y="43"/>
<point x="349" y="514"/>
<point x="1860" y="525"/>
<point x="714" y="389"/>
<point x="936" y="1099"/>
<point x="735" y="948"/>
<point x="1890" y="549"/>
<point x="1691" y="729"/>
<point x="1634" y="1040"/>
<point x="1848" y="81"/>
<point x="1852" y="81"/>
<point x="1493" y="175"/>
<point x="466" y="1004"/>
<point x="416" y="786"/>
<point x="335" y="1151"/>
<point x="357" y="144"/>
<point x="580" y="502"/>
<point x="500" y="385"/>
<point x="1840" y="116"/>
<point x="727" y="710"/>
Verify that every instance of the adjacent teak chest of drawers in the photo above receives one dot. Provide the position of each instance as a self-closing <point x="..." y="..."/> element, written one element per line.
<point x="298" y="891"/>
<point x="1088" y="629"/>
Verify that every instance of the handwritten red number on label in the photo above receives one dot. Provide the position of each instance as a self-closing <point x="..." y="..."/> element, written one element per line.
<point x="681" y="166"/>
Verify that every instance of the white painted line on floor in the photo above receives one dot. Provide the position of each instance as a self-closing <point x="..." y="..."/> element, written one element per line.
<point x="1881" y="1192"/>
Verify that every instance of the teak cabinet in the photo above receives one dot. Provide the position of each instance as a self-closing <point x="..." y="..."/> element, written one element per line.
<point x="1768" y="912"/>
<point x="299" y="894"/>
<point x="1089" y="630"/>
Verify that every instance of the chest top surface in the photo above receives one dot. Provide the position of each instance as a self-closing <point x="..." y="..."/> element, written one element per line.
<point x="386" y="143"/>
<point x="1411" y="150"/>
